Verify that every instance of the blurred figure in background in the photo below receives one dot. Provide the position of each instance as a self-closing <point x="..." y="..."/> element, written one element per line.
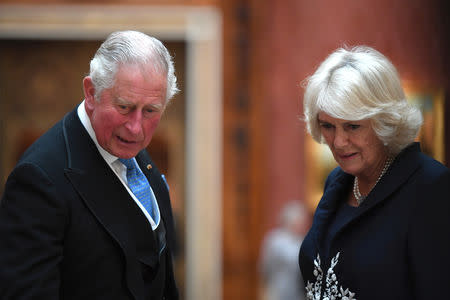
<point x="279" y="255"/>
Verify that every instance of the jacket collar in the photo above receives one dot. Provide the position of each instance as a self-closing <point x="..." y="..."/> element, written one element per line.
<point x="89" y="174"/>
<point x="398" y="173"/>
<point x="335" y="191"/>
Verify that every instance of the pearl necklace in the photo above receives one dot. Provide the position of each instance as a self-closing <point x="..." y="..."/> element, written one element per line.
<point x="360" y="198"/>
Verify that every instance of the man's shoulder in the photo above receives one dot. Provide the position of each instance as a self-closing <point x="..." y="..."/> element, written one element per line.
<point x="46" y="147"/>
<point x="50" y="147"/>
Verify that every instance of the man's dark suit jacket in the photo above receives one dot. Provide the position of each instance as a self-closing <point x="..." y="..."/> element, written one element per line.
<point x="396" y="245"/>
<point x="70" y="230"/>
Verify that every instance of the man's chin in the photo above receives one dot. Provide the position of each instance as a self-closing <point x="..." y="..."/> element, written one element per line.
<point x="125" y="151"/>
<point x="125" y="154"/>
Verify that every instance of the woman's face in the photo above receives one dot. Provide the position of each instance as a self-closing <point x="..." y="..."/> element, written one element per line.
<point x="355" y="146"/>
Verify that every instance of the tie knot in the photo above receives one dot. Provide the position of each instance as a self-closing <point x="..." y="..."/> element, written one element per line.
<point x="129" y="163"/>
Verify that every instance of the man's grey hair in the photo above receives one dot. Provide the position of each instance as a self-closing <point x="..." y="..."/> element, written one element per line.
<point x="131" y="48"/>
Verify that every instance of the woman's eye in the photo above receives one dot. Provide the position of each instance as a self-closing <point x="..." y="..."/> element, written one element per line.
<point x="353" y="126"/>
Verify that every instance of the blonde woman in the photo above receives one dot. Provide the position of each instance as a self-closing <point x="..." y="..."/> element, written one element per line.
<point x="382" y="227"/>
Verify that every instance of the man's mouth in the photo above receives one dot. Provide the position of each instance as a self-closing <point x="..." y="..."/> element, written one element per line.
<point x="124" y="140"/>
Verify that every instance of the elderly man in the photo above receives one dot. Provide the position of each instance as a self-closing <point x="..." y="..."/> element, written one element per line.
<point x="85" y="213"/>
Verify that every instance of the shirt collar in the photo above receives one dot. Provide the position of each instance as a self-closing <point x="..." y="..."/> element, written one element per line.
<point x="84" y="118"/>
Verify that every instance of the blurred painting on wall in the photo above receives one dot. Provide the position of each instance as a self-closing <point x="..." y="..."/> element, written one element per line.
<point x="432" y="133"/>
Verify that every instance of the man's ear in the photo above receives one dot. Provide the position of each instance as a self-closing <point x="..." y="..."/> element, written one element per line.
<point x="89" y="93"/>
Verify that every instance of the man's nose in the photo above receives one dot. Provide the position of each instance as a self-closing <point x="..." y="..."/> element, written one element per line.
<point x="134" y="122"/>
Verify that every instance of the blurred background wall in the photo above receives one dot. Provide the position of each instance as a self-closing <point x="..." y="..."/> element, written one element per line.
<point x="266" y="48"/>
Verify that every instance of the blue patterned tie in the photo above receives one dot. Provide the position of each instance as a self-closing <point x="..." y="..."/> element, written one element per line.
<point x="138" y="184"/>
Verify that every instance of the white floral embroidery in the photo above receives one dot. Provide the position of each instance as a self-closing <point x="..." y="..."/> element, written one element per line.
<point x="314" y="291"/>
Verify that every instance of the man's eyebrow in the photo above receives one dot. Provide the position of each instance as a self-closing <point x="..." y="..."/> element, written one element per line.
<point x="155" y="105"/>
<point x="121" y="100"/>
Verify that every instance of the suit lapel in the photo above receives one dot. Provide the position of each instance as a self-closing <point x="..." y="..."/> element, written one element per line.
<point x="150" y="172"/>
<point x="161" y="195"/>
<point x="398" y="173"/>
<point x="107" y="199"/>
<point x="332" y="197"/>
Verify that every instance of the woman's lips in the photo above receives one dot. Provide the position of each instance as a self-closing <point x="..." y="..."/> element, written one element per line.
<point x="347" y="156"/>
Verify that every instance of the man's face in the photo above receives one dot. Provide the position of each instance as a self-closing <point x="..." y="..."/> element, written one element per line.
<point x="127" y="114"/>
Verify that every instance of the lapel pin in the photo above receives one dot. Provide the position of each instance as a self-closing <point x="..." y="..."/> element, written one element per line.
<point x="149" y="166"/>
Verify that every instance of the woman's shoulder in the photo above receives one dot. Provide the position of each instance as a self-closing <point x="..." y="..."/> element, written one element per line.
<point x="424" y="165"/>
<point x="427" y="177"/>
<point x="430" y="169"/>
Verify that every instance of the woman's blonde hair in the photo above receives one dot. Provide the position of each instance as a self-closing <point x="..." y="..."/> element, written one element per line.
<point x="361" y="83"/>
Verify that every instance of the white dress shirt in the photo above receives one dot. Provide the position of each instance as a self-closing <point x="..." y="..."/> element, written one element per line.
<point x="118" y="168"/>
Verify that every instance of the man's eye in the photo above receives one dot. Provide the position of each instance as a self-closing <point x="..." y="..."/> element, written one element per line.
<point x="122" y="108"/>
<point x="326" y="125"/>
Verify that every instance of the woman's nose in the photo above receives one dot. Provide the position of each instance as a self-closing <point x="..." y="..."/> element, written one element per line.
<point x="340" y="138"/>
